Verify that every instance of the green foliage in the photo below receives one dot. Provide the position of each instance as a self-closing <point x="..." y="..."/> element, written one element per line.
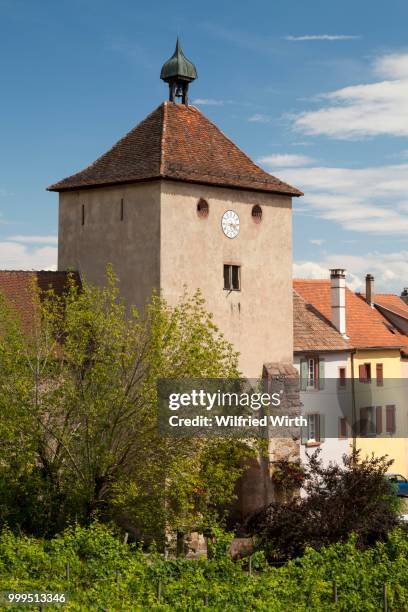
<point x="106" y="574"/>
<point x="79" y="403"/>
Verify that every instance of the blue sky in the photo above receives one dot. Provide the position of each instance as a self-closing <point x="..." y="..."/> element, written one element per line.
<point x="316" y="92"/>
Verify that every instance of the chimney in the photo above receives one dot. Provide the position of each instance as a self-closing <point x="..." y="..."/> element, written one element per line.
<point x="369" y="294"/>
<point x="338" y="299"/>
<point x="404" y="295"/>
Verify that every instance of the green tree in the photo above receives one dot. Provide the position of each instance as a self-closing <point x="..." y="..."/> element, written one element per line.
<point x="78" y="393"/>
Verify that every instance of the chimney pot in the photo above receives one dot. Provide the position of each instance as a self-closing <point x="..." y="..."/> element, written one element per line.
<point x="404" y="295"/>
<point x="338" y="299"/>
<point x="369" y="294"/>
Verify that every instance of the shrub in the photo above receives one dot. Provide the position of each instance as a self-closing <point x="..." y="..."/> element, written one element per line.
<point x="339" y="500"/>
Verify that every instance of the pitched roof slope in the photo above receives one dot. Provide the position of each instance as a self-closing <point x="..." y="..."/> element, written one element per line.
<point x="393" y="303"/>
<point x="176" y="142"/>
<point x="365" y="326"/>
<point x="17" y="287"/>
<point x="312" y="331"/>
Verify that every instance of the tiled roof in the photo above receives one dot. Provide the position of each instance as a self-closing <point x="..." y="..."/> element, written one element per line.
<point x="365" y="326"/>
<point x="17" y="287"/>
<point x="176" y="142"/>
<point x="312" y="331"/>
<point x="392" y="303"/>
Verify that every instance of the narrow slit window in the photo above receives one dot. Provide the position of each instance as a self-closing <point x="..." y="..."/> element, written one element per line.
<point x="121" y="209"/>
<point x="82" y="214"/>
<point x="232" y="277"/>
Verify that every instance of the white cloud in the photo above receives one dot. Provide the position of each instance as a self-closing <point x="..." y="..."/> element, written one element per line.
<point x="259" y="118"/>
<point x="366" y="109"/>
<point x="392" y="65"/>
<point x="208" y="102"/>
<point x="34" y="239"/>
<point x="317" y="241"/>
<point x="369" y="200"/>
<point x="285" y="160"/>
<point x="390" y="270"/>
<point x="17" y="256"/>
<point x="322" y="37"/>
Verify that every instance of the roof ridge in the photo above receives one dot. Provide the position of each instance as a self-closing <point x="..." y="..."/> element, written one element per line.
<point x="162" y="138"/>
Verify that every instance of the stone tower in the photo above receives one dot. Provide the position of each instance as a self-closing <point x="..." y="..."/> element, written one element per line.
<point x="175" y="203"/>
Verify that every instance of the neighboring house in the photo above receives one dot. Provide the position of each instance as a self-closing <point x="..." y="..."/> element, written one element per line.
<point x="19" y="288"/>
<point x="394" y="308"/>
<point x="320" y="356"/>
<point x="379" y="397"/>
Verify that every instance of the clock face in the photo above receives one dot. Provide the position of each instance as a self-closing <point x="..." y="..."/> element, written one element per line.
<point x="230" y="224"/>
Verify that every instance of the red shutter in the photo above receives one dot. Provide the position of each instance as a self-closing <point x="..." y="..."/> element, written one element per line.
<point x="378" y="420"/>
<point x="362" y="373"/>
<point x="342" y="428"/>
<point x="380" y="374"/>
<point x="390" y="419"/>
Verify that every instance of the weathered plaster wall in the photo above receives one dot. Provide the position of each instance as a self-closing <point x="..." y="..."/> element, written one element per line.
<point x="257" y="319"/>
<point x="131" y="245"/>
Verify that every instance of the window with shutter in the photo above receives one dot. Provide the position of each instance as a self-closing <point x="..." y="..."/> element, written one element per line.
<point x="364" y="372"/>
<point x="303" y="374"/>
<point x="321" y="372"/>
<point x="379" y="374"/>
<point x="390" y="419"/>
<point x="313" y="430"/>
<point x="368" y="371"/>
<point x="363" y="421"/>
<point x="378" y="420"/>
<point x="343" y="434"/>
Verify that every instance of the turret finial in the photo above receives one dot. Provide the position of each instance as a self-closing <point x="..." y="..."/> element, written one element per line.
<point x="178" y="72"/>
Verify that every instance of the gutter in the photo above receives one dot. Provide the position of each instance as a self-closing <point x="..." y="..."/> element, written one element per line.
<point x="353" y="402"/>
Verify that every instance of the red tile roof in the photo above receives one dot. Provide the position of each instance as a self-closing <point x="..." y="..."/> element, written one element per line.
<point x="312" y="331"/>
<point x="18" y="286"/>
<point x="393" y="303"/>
<point x="365" y="326"/>
<point x="176" y="142"/>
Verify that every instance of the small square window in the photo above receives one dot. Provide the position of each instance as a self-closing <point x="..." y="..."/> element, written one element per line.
<point x="232" y="277"/>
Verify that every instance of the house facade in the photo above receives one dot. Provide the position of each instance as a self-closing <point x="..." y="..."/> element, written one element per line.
<point x="321" y="357"/>
<point x="377" y="398"/>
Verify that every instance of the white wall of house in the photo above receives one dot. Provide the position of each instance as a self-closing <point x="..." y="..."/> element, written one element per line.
<point x="327" y="402"/>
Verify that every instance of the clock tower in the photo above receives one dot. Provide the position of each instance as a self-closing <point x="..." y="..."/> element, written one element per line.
<point x="174" y="204"/>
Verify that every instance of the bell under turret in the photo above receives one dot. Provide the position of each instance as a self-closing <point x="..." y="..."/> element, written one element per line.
<point x="178" y="72"/>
